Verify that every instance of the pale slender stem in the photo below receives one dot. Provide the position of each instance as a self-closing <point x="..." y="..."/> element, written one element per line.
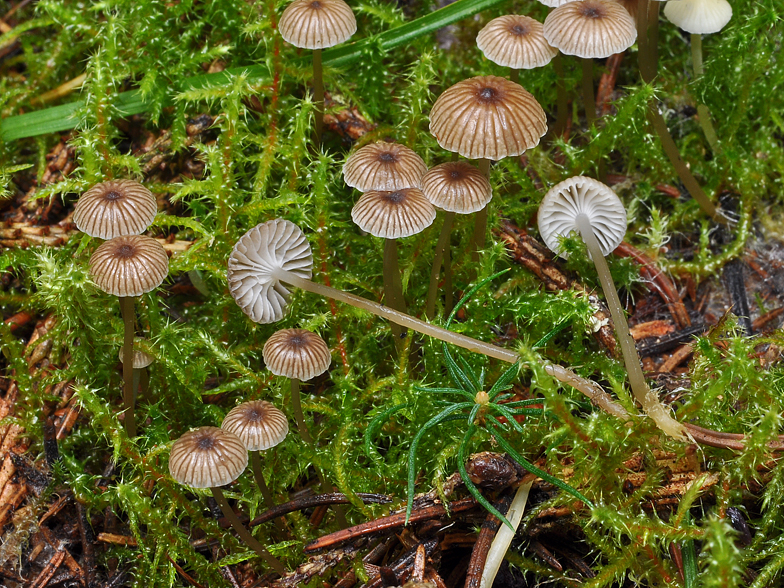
<point x="441" y="247"/>
<point x="703" y="114"/>
<point x="296" y="406"/>
<point x="503" y="538"/>
<point x="592" y="390"/>
<point x="318" y="95"/>
<point x="647" y="398"/>
<point x="127" y="311"/>
<point x="244" y="534"/>
<point x="589" y="99"/>
<point x="562" y="102"/>
<point x="480" y="218"/>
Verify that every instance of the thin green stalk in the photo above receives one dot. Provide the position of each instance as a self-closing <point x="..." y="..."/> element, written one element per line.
<point x="393" y="285"/>
<point x="127" y="311"/>
<point x="296" y="407"/>
<point x="244" y="534"/>
<point x="440" y="256"/>
<point x="562" y="103"/>
<point x="480" y="218"/>
<point x="703" y="114"/>
<point x="648" y="399"/>
<point x="318" y="95"/>
<point x="589" y="99"/>
<point x="266" y="494"/>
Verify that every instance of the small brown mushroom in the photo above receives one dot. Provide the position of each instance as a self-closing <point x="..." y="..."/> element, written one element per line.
<point x="515" y="41"/>
<point x="114" y="209"/>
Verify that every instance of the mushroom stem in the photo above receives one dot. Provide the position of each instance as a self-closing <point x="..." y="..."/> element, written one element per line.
<point x="562" y="102"/>
<point x="441" y="247"/>
<point x="703" y="114"/>
<point x="514" y="75"/>
<point x="296" y="406"/>
<point x="647" y="398"/>
<point x="127" y="311"/>
<point x="589" y="100"/>
<point x="244" y="534"/>
<point x="393" y="286"/>
<point x="480" y="218"/>
<point x="258" y="475"/>
<point x="318" y="95"/>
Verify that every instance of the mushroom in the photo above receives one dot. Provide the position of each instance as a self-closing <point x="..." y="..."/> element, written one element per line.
<point x="458" y="188"/>
<point x="486" y="118"/>
<point x="210" y="457"/>
<point x="297" y="354"/>
<point x="277" y="252"/>
<point x="594" y="211"/>
<point x="260" y="426"/>
<point x="700" y="17"/>
<point x="128" y="267"/>
<point x="114" y="209"/>
<point x="515" y="41"/>
<point x="317" y="25"/>
<point x="590" y="29"/>
<point x="141" y="360"/>
<point x="384" y="166"/>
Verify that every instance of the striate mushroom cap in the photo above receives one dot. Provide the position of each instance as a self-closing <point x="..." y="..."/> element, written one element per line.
<point x="273" y="245"/>
<point x="207" y="457"/>
<point x="384" y="166"/>
<point x="457" y="186"/>
<point x="487" y="117"/>
<point x="581" y="195"/>
<point x="590" y="28"/>
<point x="699" y="17"/>
<point x="317" y="24"/>
<point x="393" y="215"/>
<point x="515" y="41"/>
<point x="296" y="353"/>
<point x="141" y="359"/>
<point x="258" y="424"/>
<point x="129" y="265"/>
<point x="114" y="209"/>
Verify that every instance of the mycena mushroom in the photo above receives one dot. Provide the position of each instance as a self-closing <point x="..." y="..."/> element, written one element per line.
<point x="591" y="209"/>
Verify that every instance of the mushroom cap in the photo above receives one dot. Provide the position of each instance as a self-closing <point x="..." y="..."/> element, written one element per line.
<point x="699" y="17"/>
<point x="515" y="41"/>
<point x="267" y="247"/>
<point x="317" y="24"/>
<point x="207" y="457"/>
<point x="580" y="195"/>
<point x="590" y="28"/>
<point x="114" y="209"/>
<point x="457" y="186"/>
<point x="393" y="215"/>
<point x="487" y="117"/>
<point x="129" y="266"/>
<point x="296" y="353"/>
<point x="141" y="359"/>
<point x="258" y="424"/>
<point x="384" y="166"/>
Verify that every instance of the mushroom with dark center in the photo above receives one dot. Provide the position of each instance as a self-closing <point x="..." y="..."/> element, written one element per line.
<point x="515" y="41"/>
<point x="210" y="457"/>
<point x="115" y="209"/>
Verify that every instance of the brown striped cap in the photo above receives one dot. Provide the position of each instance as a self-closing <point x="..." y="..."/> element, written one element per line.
<point x="258" y="424"/>
<point x="129" y="266"/>
<point x="581" y="195"/>
<point x="590" y="28"/>
<point x="207" y="457"/>
<point x="515" y="41"/>
<point x="296" y="353"/>
<point x="393" y="215"/>
<point x="384" y="166"/>
<point x="487" y="117"/>
<point x="276" y="244"/>
<point x="317" y="24"/>
<point x="114" y="209"/>
<point x="457" y="186"/>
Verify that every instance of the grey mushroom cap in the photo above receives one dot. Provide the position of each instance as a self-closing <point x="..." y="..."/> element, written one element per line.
<point x="267" y="247"/>
<point x="699" y="17"/>
<point x="393" y="215"/>
<point x="207" y="457"/>
<point x="590" y="28"/>
<point x="317" y="24"/>
<point x="129" y="265"/>
<point x="114" y="209"/>
<point x="581" y="195"/>
<point x="384" y="166"/>
<point x="457" y="186"/>
<point x="296" y="353"/>
<point x="258" y="424"/>
<point x="515" y="41"/>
